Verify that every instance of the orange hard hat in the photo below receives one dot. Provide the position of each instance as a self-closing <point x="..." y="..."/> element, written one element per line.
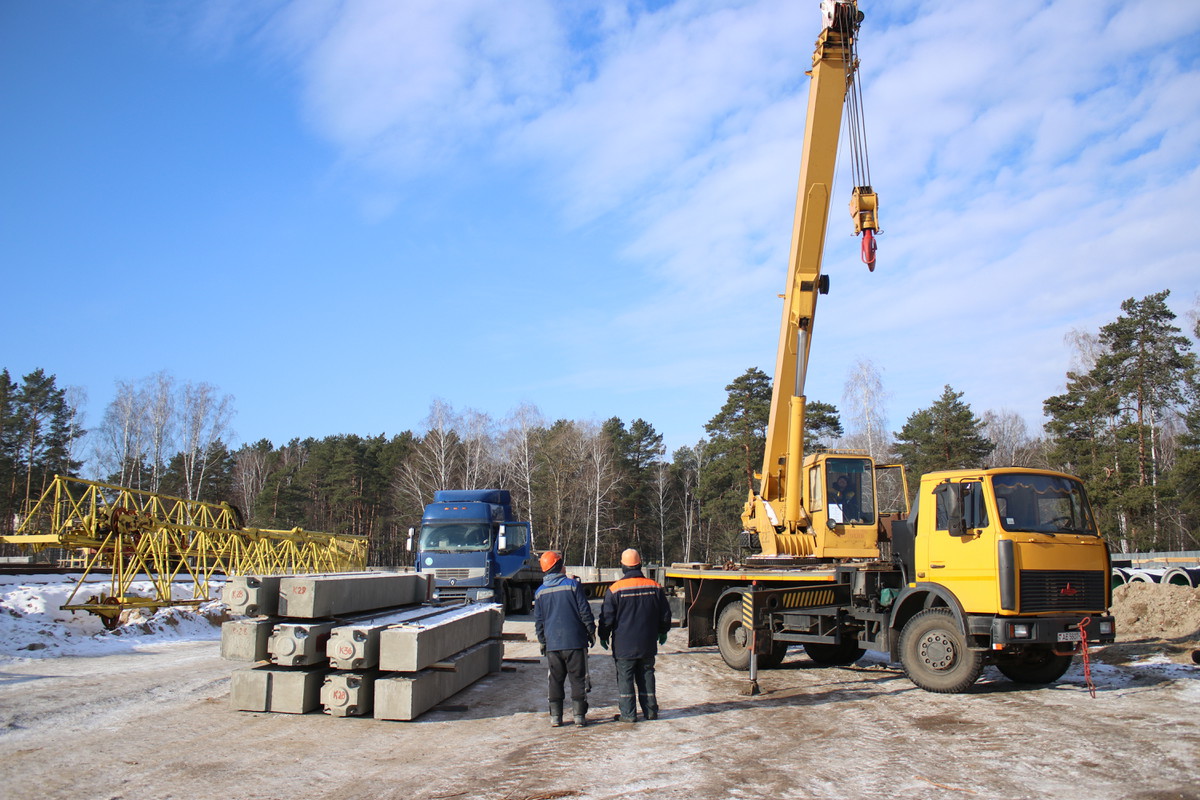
<point x="550" y="560"/>
<point x="631" y="558"/>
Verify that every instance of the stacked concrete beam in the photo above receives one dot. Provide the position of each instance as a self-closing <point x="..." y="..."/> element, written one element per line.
<point x="313" y="597"/>
<point x="349" y="694"/>
<point x="356" y="646"/>
<point x="247" y="639"/>
<point x="413" y="646"/>
<point x="300" y="643"/>
<point x="408" y="696"/>
<point x="595" y="574"/>
<point x="287" y="690"/>
<point x="251" y="595"/>
<point x="330" y="649"/>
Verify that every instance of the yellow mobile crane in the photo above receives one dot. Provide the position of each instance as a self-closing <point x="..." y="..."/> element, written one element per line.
<point x="1002" y="566"/>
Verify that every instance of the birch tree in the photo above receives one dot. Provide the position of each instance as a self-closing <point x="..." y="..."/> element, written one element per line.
<point x="159" y="401"/>
<point x="1007" y="431"/>
<point x="602" y="481"/>
<point x="205" y="418"/>
<point x="520" y="460"/>
<point x="122" y="448"/>
<point x="865" y="403"/>
<point x="436" y="459"/>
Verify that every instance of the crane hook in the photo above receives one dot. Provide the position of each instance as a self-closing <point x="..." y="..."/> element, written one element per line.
<point x="868" y="249"/>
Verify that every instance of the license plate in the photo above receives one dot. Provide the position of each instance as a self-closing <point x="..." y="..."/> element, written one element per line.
<point x="1070" y="636"/>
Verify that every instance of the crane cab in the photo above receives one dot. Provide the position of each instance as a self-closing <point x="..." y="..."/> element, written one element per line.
<point x="849" y="504"/>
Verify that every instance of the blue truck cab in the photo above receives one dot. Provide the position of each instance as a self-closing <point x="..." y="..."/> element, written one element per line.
<point x="476" y="551"/>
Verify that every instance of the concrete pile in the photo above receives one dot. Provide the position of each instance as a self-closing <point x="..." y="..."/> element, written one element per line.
<point x="355" y="644"/>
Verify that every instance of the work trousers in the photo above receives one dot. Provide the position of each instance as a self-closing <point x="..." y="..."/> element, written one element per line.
<point x="636" y="673"/>
<point x="563" y="664"/>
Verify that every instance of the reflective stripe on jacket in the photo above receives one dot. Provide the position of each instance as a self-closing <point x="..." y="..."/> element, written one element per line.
<point x="562" y="617"/>
<point x="634" y="614"/>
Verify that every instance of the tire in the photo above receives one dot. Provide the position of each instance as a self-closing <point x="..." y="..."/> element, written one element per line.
<point x="773" y="659"/>
<point x="734" y="642"/>
<point x="1033" y="665"/>
<point x="935" y="655"/>
<point x="732" y="638"/>
<point x="834" y="655"/>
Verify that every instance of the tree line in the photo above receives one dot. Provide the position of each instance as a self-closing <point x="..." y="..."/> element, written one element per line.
<point x="1128" y="424"/>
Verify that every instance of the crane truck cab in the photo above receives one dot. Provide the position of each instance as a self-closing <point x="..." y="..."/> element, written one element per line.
<point x="1001" y="565"/>
<point x="475" y="550"/>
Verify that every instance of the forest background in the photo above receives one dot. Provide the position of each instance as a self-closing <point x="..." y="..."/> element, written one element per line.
<point x="1128" y="424"/>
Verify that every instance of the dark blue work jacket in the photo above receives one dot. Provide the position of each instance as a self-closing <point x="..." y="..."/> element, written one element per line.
<point x="562" y="617"/>
<point x="634" y="614"/>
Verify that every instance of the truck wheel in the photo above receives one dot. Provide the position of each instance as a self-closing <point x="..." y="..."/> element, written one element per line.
<point x="733" y="640"/>
<point x="834" y="655"/>
<point x="1040" y="665"/>
<point x="773" y="659"/>
<point x="935" y="655"/>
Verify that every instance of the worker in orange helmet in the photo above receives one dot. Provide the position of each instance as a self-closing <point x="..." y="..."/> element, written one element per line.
<point x="566" y="629"/>
<point x="636" y="617"/>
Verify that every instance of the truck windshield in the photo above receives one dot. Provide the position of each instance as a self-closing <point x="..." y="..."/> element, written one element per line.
<point x="851" y="490"/>
<point x="1042" y="504"/>
<point x="453" y="537"/>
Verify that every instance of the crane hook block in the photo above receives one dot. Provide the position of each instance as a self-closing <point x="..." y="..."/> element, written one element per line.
<point x="868" y="249"/>
<point x="864" y="205"/>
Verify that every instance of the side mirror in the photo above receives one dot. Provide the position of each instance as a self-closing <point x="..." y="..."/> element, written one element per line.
<point x="502" y="541"/>
<point x="956" y="524"/>
<point x="408" y="544"/>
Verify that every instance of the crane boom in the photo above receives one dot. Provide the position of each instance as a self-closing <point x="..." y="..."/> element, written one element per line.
<point x="780" y="489"/>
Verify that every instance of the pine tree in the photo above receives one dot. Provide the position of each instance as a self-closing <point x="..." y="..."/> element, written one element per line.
<point x="822" y="424"/>
<point x="947" y="435"/>
<point x="43" y="432"/>
<point x="8" y="451"/>
<point x="1108" y="425"/>
<point x="737" y="439"/>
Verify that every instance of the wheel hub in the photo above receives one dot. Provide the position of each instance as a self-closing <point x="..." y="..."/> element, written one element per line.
<point x="937" y="651"/>
<point x="738" y="635"/>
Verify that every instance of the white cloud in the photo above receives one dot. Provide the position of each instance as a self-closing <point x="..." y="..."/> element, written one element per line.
<point x="1036" y="162"/>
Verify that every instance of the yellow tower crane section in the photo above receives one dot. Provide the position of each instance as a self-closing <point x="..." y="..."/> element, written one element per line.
<point x="167" y="541"/>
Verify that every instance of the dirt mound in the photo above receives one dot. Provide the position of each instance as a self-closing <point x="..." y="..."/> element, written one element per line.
<point x="1157" y="611"/>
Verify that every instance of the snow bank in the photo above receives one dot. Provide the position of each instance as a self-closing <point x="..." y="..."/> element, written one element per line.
<point x="33" y="626"/>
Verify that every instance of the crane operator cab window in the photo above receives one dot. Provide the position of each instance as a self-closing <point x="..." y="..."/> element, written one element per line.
<point x="850" y="491"/>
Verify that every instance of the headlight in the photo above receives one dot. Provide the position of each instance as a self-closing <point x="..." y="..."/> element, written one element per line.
<point x="1106" y="627"/>
<point x="1018" y="630"/>
<point x="486" y="594"/>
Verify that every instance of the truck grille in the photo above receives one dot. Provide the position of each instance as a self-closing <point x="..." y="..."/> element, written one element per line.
<point x="1065" y="590"/>
<point x="455" y="574"/>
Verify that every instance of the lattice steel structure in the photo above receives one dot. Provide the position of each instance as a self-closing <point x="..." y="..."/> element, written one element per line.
<point x="167" y="540"/>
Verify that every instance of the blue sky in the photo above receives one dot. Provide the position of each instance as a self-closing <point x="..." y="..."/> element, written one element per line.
<point x="338" y="212"/>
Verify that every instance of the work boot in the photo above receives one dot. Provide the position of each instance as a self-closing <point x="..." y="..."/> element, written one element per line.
<point x="649" y="704"/>
<point x="580" y="707"/>
<point x="556" y="713"/>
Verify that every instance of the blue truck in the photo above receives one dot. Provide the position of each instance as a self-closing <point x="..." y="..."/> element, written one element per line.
<point x="476" y="551"/>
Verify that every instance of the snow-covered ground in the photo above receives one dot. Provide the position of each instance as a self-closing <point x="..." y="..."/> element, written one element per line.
<point x="33" y="626"/>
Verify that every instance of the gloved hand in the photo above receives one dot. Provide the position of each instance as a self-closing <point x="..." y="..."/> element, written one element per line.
<point x="591" y="639"/>
<point x="543" y="648"/>
<point x="603" y="643"/>
<point x="662" y="638"/>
